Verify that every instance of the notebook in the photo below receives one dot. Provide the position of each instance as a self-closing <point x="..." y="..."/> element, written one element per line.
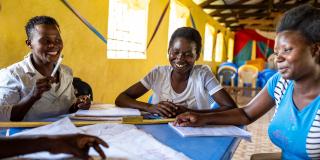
<point x="111" y="112"/>
<point x="212" y="130"/>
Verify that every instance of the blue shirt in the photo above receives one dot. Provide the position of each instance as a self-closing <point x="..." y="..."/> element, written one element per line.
<point x="296" y="132"/>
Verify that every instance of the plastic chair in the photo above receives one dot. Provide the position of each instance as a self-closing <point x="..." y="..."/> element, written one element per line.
<point x="259" y="63"/>
<point x="248" y="74"/>
<point x="264" y="76"/>
<point x="227" y="74"/>
<point x="228" y="64"/>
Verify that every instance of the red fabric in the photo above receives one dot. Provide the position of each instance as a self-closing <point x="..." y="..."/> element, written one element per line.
<point x="244" y="36"/>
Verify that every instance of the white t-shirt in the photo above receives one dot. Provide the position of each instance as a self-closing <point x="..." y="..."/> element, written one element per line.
<point x="201" y="84"/>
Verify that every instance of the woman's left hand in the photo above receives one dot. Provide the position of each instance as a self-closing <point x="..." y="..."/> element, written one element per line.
<point x="83" y="102"/>
<point x="179" y="108"/>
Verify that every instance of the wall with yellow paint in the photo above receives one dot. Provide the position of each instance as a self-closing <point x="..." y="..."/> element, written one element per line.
<point x="84" y="52"/>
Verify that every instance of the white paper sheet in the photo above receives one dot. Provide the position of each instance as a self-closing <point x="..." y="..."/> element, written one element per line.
<point x="126" y="142"/>
<point x="212" y="130"/>
<point x="87" y="118"/>
<point x="112" y="112"/>
<point x="96" y="106"/>
<point x="63" y="126"/>
<point x="136" y="143"/>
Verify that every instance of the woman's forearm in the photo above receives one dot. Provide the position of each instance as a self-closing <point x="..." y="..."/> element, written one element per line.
<point x="21" y="109"/>
<point x="19" y="145"/>
<point x="235" y="116"/>
<point x="220" y="109"/>
<point x="124" y="100"/>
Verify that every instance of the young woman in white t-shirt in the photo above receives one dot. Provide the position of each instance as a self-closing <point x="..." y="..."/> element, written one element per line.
<point x="182" y="86"/>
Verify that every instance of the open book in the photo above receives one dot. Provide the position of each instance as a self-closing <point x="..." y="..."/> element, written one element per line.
<point x="212" y="130"/>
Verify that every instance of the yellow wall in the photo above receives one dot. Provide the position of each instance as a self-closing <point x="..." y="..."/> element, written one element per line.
<point x="84" y="52"/>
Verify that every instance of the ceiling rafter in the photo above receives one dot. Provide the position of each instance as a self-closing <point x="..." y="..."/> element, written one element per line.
<point x="251" y="13"/>
<point x="218" y="11"/>
<point x="206" y="3"/>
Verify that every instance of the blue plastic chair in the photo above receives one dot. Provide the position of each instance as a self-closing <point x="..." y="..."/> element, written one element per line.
<point x="227" y="74"/>
<point x="264" y="76"/>
<point x="228" y="64"/>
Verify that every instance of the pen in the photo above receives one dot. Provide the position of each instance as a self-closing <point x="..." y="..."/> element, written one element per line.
<point x="57" y="65"/>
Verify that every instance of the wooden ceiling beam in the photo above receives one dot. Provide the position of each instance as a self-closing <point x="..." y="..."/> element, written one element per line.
<point x="265" y="28"/>
<point x="255" y="6"/>
<point x="254" y="21"/>
<point x="236" y="3"/>
<point x="228" y="23"/>
<point x="238" y="15"/>
<point x="236" y="6"/>
<point x="206" y="3"/>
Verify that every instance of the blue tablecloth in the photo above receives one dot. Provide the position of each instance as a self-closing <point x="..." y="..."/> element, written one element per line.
<point x="197" y="148"/>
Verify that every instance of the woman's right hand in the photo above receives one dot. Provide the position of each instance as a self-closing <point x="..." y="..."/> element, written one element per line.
<point x="42" y="85"/>
<point x="190" y="119"/>
<point x="78" y="145"/>
<point x="163" y="109"/>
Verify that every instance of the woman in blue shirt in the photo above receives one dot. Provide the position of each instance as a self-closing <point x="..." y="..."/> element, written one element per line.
<point x="295" y="127"/>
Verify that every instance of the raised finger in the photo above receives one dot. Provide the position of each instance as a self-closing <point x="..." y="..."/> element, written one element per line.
<point x="102" y="142"/>
<point x="99" y="150"/>
<point x="93" y="139"/>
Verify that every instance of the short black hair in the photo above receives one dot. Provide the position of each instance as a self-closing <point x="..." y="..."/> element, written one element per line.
<point x="39" y="20"/>
<point x="82" y="88"/>
<point x="188" y="33"/>
<point x="305" y="19"/>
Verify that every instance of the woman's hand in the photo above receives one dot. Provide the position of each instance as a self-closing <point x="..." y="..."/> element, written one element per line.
<point x="164" y="109"/>
<point x="190" y="119"/>
<point x="76" y="144"/>
<point x="83" y="102"/>
<point x="42" y="85"/>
